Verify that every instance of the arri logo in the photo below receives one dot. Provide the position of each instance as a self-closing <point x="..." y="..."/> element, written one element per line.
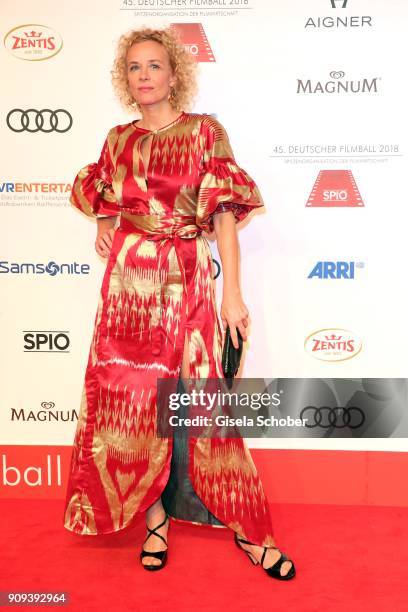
<point x="336" y="85"/>
<point x="335" y="188"/>
<point x="335" y="269"/>
<point x="333" y="344"/>
<point x="33" y="42"/>
<point x="195" y="40"/>
<point x="51" y="268"/>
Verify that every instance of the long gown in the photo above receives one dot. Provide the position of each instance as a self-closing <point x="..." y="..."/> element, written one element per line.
<point x="158" y="286"/>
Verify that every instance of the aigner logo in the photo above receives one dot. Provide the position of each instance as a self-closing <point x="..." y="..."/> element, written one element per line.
<point x="45" y="120"/>
<point x="337" y="86"/>
<point x="341" y="21"/>
<point x="335" y="188"/>
<point x="336" y="3"/>
<point x="33" y="42"/>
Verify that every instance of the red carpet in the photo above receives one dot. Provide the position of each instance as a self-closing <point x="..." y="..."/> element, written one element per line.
<point x="348" y="558"/>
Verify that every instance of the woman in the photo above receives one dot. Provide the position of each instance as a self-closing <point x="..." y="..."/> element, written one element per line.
<point x="165" y="177"/>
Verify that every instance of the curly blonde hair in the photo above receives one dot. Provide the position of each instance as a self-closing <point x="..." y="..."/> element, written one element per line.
<point x="182" y="63"/>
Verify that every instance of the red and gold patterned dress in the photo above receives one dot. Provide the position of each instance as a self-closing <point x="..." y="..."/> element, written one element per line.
<point x="157" y="287"/>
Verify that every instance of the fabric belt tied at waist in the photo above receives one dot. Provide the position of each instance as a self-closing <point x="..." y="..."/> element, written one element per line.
<point x="157" y="228"/>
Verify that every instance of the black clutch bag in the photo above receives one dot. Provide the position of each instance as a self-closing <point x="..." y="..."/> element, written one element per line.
<point x="231" y="357"/>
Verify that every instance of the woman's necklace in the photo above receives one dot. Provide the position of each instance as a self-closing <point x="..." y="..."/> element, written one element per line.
<point x="160" y="128"/>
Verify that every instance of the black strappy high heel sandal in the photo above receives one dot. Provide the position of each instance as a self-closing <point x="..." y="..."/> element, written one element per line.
<point x="161" y="554"/>
<point x="274" y="570"/>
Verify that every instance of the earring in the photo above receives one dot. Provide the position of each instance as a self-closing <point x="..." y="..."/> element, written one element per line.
<point x="135" y="104"/>
<point x="172" y="95"/>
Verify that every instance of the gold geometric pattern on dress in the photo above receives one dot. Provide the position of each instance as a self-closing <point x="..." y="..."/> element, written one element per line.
<point x="79" y="515"/>
<point x="198" y="356"/>
<point x="158" y="285"/>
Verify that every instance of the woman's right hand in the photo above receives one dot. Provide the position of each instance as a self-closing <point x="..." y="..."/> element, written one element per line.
<point x="104" y="237"/>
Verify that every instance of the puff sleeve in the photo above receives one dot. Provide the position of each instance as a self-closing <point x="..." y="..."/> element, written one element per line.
<point x="224" y="185"/>
<point x="92" y="191"/>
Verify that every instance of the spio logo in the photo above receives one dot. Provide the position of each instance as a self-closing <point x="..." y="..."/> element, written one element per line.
<point x="335" y="195"/>
<point x="44" y="120"/>
<point x="333" y="344"/>
<point x="335" y="269"/>
<point x="335" y="188"/>
<point x="33" y="42"/>
<point x="195" y="40"/>
<point x="46" y="341"/>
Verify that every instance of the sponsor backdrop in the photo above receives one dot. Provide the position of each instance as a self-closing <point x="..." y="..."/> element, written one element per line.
<point x="313" y="96"/>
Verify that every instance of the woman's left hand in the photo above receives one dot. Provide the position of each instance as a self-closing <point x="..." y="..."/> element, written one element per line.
<point x="234" y="314"/>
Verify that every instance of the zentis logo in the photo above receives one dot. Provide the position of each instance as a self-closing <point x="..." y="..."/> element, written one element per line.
<point x="195" y="40"/>
<point x="335" y="188"/>
<point x="33" y="42"/>
<point x="333" y="344"/>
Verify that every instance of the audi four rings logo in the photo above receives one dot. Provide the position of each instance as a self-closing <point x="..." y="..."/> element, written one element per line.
<point x="44" y="120"/>
<point x="336" y="417"/>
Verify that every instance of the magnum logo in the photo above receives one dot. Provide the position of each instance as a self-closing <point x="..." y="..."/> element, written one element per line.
<point x="195" y="40"/>
<point x="336" y="85"/>
<point x="335" y="188"/>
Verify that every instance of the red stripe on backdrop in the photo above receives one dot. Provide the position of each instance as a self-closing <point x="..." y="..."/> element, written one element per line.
<point x="289" y="476"/>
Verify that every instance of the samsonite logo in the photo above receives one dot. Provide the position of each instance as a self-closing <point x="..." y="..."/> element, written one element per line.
<point x="195" y="40"/>
<point x="335" y="188"/>
<point x="51" y="268"/>
<point x="335" y="269"/>
<point x="33" y="42"/>
<point x="333" y="344"/>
